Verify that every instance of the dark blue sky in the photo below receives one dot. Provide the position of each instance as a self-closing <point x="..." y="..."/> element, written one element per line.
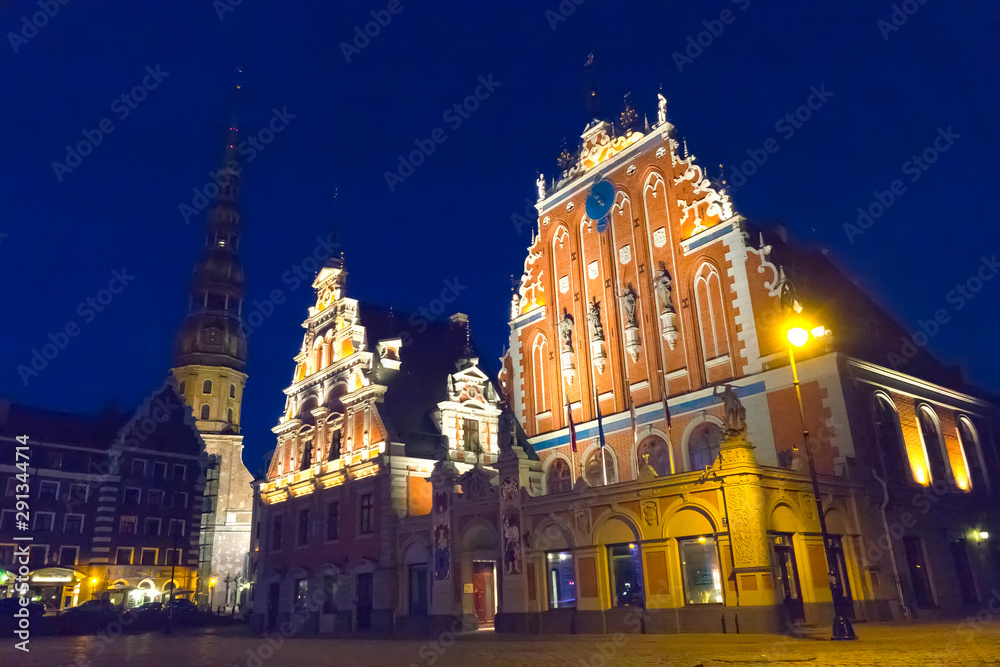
<point x="119" y="208"/>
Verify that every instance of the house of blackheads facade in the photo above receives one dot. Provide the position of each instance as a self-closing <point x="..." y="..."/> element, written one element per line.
<point x="642" y="459"/>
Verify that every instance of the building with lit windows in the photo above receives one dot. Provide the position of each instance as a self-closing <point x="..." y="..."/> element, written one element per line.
<point x="650" y="473"/>
<point x="114" y="503"/>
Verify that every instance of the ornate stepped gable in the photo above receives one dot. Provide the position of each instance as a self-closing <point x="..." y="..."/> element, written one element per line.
<point x="366" y="378"/>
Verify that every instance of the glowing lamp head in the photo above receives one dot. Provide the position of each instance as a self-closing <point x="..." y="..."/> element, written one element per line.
<point x="93" y="581"/>
<point x="212" y="581"/>
<point x="984" y="535"/>
<point x="798" y="336"/>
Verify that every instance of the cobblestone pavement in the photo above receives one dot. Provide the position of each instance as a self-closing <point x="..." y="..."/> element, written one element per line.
<point x="923" y="645"/>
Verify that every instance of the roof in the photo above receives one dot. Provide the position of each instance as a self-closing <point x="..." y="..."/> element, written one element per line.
<point x="52" y="426"/>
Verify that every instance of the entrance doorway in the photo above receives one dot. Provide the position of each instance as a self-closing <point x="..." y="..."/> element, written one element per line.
<point x="365" y="598"/>
<point x="788" y="577"/>
<point x="272" y="606"/>
<point x="484" y="589"/>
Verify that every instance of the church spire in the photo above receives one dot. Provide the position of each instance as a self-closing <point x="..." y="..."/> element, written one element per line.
<point x="213" y="334"/>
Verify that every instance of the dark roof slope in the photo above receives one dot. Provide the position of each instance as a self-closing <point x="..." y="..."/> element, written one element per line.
<point x="51" y="426"/>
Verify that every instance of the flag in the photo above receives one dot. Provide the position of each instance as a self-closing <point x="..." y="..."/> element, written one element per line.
<point x="600" y="434"/>
<point x="572" y="429"/>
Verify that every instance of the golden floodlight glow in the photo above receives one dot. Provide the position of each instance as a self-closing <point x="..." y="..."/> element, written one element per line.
<point x="819" y="332"/>
<point x="93" y="582"/>
<point x="798" y="336"/>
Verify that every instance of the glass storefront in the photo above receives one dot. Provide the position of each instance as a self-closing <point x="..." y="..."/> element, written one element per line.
<point x="700" y="571"/>
<point x="626" y="575"/>
<point x="561" y="580"/>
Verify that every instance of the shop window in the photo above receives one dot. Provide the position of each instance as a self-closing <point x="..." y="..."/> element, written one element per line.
<point x="625" y="562"/>
<point x="700" y="571"/>
<point x="330" y="594"/>
<point x="561" y="580"/>
<point x="919" y="576"/>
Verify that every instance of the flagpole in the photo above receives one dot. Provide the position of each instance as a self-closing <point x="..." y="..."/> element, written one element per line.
<point x="600" y="435"/>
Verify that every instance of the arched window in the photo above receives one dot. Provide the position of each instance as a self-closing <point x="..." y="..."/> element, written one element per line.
<point x="593" y="468"/>
<point x="539" y="361"/>
<point x="206" y="387"/>
<point x="969" y="439"/>
<point x="181" y="388"/>
<point x="232" y="391"/>
<point x="703" y="445"/>
<point x="204" y="411"/>
<point x="711" y="312"/>
<point x="930" y="434"/>
<point x="559" y="478"/>
<point x="230" y="416"/>
<point x="887" y="435"/>
<point x="655" y="453"/>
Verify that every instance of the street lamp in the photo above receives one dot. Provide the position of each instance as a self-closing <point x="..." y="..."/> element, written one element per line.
<point x="842" y="629"/>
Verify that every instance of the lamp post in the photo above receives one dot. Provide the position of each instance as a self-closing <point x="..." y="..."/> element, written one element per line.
<point x="842" y="628"/>
<point x="169" y="629"/>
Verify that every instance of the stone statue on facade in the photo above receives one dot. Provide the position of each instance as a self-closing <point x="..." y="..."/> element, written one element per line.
<point x="735" y="413"/>
<point x="663" y="286"/>
<point x="566" y="332"/>
<point x="540" y="183"/>
<point x="661" y="108"/>
<point x="594" y="315"/>
<point x="506" y="430"/>
<point x="628" y="306"/>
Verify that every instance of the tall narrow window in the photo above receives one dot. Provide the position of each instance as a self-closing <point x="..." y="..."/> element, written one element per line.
<point x="887" y="433"/>
<point x="919" y="576"/>
<point x="204" y="411"/>
<point x="970" y="447"/>
<point x="711" y="312"/>
<point x="365" y="514"/>
<point x="561" y="580"/>
<point x="276" y="533"/>
<point x="470" y="435"/>
<point x="229" y="416"/>
<point x="418" y="589"/>
<point x="539" y="363"/>
<point x="703" y="445"/>
<point x="232" y="391"/>
<point x="302" y="537"/>
<point x="334" y="445"/>
<point x="931" y="436"/>
<point x="206" y="387"/>
<point x="333" y="521"/>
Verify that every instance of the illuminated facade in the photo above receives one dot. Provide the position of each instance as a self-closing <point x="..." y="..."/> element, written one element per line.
<point x="647" y="474"/>
<point x="210" y="358"/>
<point x="375" y="399"/>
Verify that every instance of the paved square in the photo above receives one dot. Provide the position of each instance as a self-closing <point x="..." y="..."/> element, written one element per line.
<point x="916" y="645"/>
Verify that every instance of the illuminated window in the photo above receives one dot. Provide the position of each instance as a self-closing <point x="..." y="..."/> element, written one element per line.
<point x="703" y="445"/>
<point x="930" y="435"/>
<point x="561" y="579"/>
<point x="559" y="478"/>
<point x="700" y="571"/>
<point x="889" y="439"/>
<point x="625" y="562"/>
<point x="969" y="439"/>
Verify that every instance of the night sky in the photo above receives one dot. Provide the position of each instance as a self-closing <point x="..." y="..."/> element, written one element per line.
<point x="894" y="88"/>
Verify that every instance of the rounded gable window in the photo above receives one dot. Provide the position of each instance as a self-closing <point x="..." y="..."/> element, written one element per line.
<point x="230" y="416"/>
<point x="206" y="388"/>
<point x="232" y="391"/>
<point x="204" y="411"/>
<point x="560" y="478"/>
<point x="703" y="446"/>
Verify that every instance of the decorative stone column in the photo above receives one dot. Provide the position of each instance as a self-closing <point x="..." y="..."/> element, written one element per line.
<point x="513" y="615"/>
<point x="446" y="598"/>
<point x="744" y="507"/>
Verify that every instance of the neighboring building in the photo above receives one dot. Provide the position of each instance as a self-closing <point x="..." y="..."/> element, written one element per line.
<point x="375" y="399"/>
<point x="644" y="294"/>
<point x="114" y="503"/>
<point x="211" y="355"/>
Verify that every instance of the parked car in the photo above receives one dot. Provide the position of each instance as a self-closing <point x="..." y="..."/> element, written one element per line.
<point x="89" y="617"/>
<point x="9" y="607"/>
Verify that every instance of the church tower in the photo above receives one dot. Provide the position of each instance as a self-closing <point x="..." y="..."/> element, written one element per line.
<point x="211" y="353"/>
